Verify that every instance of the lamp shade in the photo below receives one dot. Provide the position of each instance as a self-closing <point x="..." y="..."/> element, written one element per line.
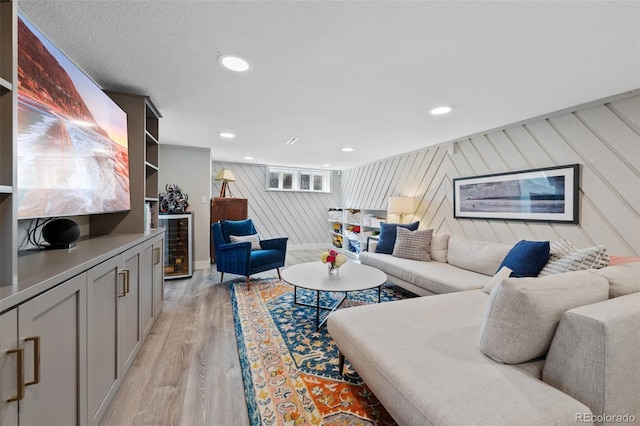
<point x="400" y="205"/>
<point x="226" y="175"/>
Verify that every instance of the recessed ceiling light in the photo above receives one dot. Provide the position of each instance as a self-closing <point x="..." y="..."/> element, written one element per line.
<point x="442" y="110"/>
<point x="347" y="149"/>
<point x="292" y="141"/>
<point x="326" y="165"/>
<point x="248" y="158"/>
<point x="234" y="63"/>
<point x="227" y="135"/>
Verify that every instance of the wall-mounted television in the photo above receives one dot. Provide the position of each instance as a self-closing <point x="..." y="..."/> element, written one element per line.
<point x="72" y="147"/>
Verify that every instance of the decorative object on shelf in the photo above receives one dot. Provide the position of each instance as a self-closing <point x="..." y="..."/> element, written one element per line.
<point x="174" y="200"/>
<point x="334" y="260"/>
<point x="225" y="176"/>
<point x="400" y="205"/>
<point x="548" y="195"/>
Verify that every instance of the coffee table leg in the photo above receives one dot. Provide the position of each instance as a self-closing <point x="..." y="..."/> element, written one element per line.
<point x="295" y="294"/>
<point x="317" y="310"/>
<point x="379" y="290"/>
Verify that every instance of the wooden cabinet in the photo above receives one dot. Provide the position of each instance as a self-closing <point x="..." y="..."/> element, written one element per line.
<point x="158" y="275"/>
<point x="151" y="283"/>
<point x="113" y="326"/>
<point x="43" y="358"/>
<point x="11" y="375"/>
<point x="229" y="209"/>
<point x="142" y="132"/>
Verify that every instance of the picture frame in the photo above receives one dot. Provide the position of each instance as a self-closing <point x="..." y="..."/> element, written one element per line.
<point x="544" y="195"/>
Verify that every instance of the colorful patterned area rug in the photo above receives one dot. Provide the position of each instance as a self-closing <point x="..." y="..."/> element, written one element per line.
<point x="290" y="370"/>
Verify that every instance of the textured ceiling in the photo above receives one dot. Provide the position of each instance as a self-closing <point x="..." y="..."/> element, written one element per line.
<point x="362" y="74"/>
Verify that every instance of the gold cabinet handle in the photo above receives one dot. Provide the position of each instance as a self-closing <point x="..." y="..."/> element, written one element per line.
<point x="36" y="359"/>
<point x="124" y="293"/>
<point x="127" y="276"/>
<point x="20" y="373"/>
<point x="156" y="255"/>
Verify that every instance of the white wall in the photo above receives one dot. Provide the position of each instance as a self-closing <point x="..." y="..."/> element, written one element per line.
<point x="603" y="137"/>
<point x="190" y="169"/>
<point x="301" y="216"/>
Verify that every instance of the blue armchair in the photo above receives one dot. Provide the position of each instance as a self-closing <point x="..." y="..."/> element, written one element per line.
<point x="237" y="257"/>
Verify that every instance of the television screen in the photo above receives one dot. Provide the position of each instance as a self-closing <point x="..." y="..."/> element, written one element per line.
<point x="72" y="148"/>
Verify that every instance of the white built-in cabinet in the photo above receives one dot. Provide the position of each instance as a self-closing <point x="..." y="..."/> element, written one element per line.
<point x="350" y="228"/>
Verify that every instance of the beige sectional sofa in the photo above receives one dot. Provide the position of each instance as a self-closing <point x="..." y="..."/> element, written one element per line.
<point x="421" y="357"/>
<point x="457" y="264"/>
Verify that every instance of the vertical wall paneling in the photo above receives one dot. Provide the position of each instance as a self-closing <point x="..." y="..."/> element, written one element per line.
<point x="604" y="138"/>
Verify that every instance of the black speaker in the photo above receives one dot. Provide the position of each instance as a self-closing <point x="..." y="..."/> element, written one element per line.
<point x="61" y="233"/>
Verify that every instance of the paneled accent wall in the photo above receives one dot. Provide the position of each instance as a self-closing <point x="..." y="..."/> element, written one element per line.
<point x="301" y="216"/>
<point x="603" y="137"/>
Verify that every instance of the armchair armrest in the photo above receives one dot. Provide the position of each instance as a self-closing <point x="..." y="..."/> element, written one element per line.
<point x="234" y="258"/>
<point x="279" y="244"/>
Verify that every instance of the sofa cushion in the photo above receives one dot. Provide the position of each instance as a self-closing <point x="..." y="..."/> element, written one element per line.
<point x="435" y="277"/>
<point x="414" y="245"/>
<point x="387" y="238"/>
<point x="504" y="272"/>
<point x="594" y="356"/>
<point x="253" y="239"/>
<point x="439" y="245"/>
<point x="526" y="258"/>
<point x="523" y="313"/>
<point x="623" y="279"/>
<point x="479" y="256"/>
<point x="565" y="257"/>
<point x="420" y="358"/>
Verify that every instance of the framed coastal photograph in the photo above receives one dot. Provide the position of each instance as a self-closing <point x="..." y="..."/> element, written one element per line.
<point x="549" y="195"/>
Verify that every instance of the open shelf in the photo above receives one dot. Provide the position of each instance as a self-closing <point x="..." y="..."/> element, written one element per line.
<point x="5" y="189"/>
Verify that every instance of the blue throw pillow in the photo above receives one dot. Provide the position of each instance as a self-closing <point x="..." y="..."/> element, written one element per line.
<point x="387" y="239"/>
<point x="527" y="258"/>
<point x="236" y="227"/>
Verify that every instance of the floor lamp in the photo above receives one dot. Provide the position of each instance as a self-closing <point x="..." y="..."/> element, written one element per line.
<point x="225" y="176"/>
<point x="400" y="205"/>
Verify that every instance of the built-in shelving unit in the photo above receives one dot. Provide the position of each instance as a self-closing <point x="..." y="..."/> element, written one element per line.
<point x="349" y="228"/>
<point x="8" y="126"/>
<point x="142" y="121"/>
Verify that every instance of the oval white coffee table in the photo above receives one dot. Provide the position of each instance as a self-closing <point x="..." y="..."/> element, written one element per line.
<point x="314" y="276"/>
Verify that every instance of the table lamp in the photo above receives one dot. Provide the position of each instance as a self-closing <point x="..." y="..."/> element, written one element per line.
<point x="400" y="205"/>
<point x="225" y="176"/>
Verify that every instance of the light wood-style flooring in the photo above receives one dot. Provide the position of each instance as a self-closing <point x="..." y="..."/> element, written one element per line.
<point x="188" y="371"/>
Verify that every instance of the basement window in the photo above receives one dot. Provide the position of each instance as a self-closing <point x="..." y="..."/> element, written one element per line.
<point x="303" y="180"/>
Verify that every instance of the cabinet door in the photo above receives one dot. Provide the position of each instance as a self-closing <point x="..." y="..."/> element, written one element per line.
<point x="10" y="375"/>
<point x="53" y="334"/>
<point x="104" y="288"/>
<point x="130" y="330"/>
<point x="158" y="275"/>
<point x="146" y="287"/>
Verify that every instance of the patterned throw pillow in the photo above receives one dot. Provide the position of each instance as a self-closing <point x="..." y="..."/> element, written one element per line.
<point x="414" y="245"/>
<point x="253" y="239"/>
<point x="565" y="257"/>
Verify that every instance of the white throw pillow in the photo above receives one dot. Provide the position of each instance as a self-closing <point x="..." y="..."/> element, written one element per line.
<point x="565" y="257"/>
<point x="439" y="245"/>
<point x="503" y="273"/>
<point x="414" y="245"/>
<point x="253" y="239"/>
<point x="523" y="313"/>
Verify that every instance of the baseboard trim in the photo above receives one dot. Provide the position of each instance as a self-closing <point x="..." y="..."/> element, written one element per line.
<point x="201" y="264"/>
<point x="294" y="247"/>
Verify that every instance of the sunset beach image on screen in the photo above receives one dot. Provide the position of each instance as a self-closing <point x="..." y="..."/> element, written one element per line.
<point x="72" y="148"/>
